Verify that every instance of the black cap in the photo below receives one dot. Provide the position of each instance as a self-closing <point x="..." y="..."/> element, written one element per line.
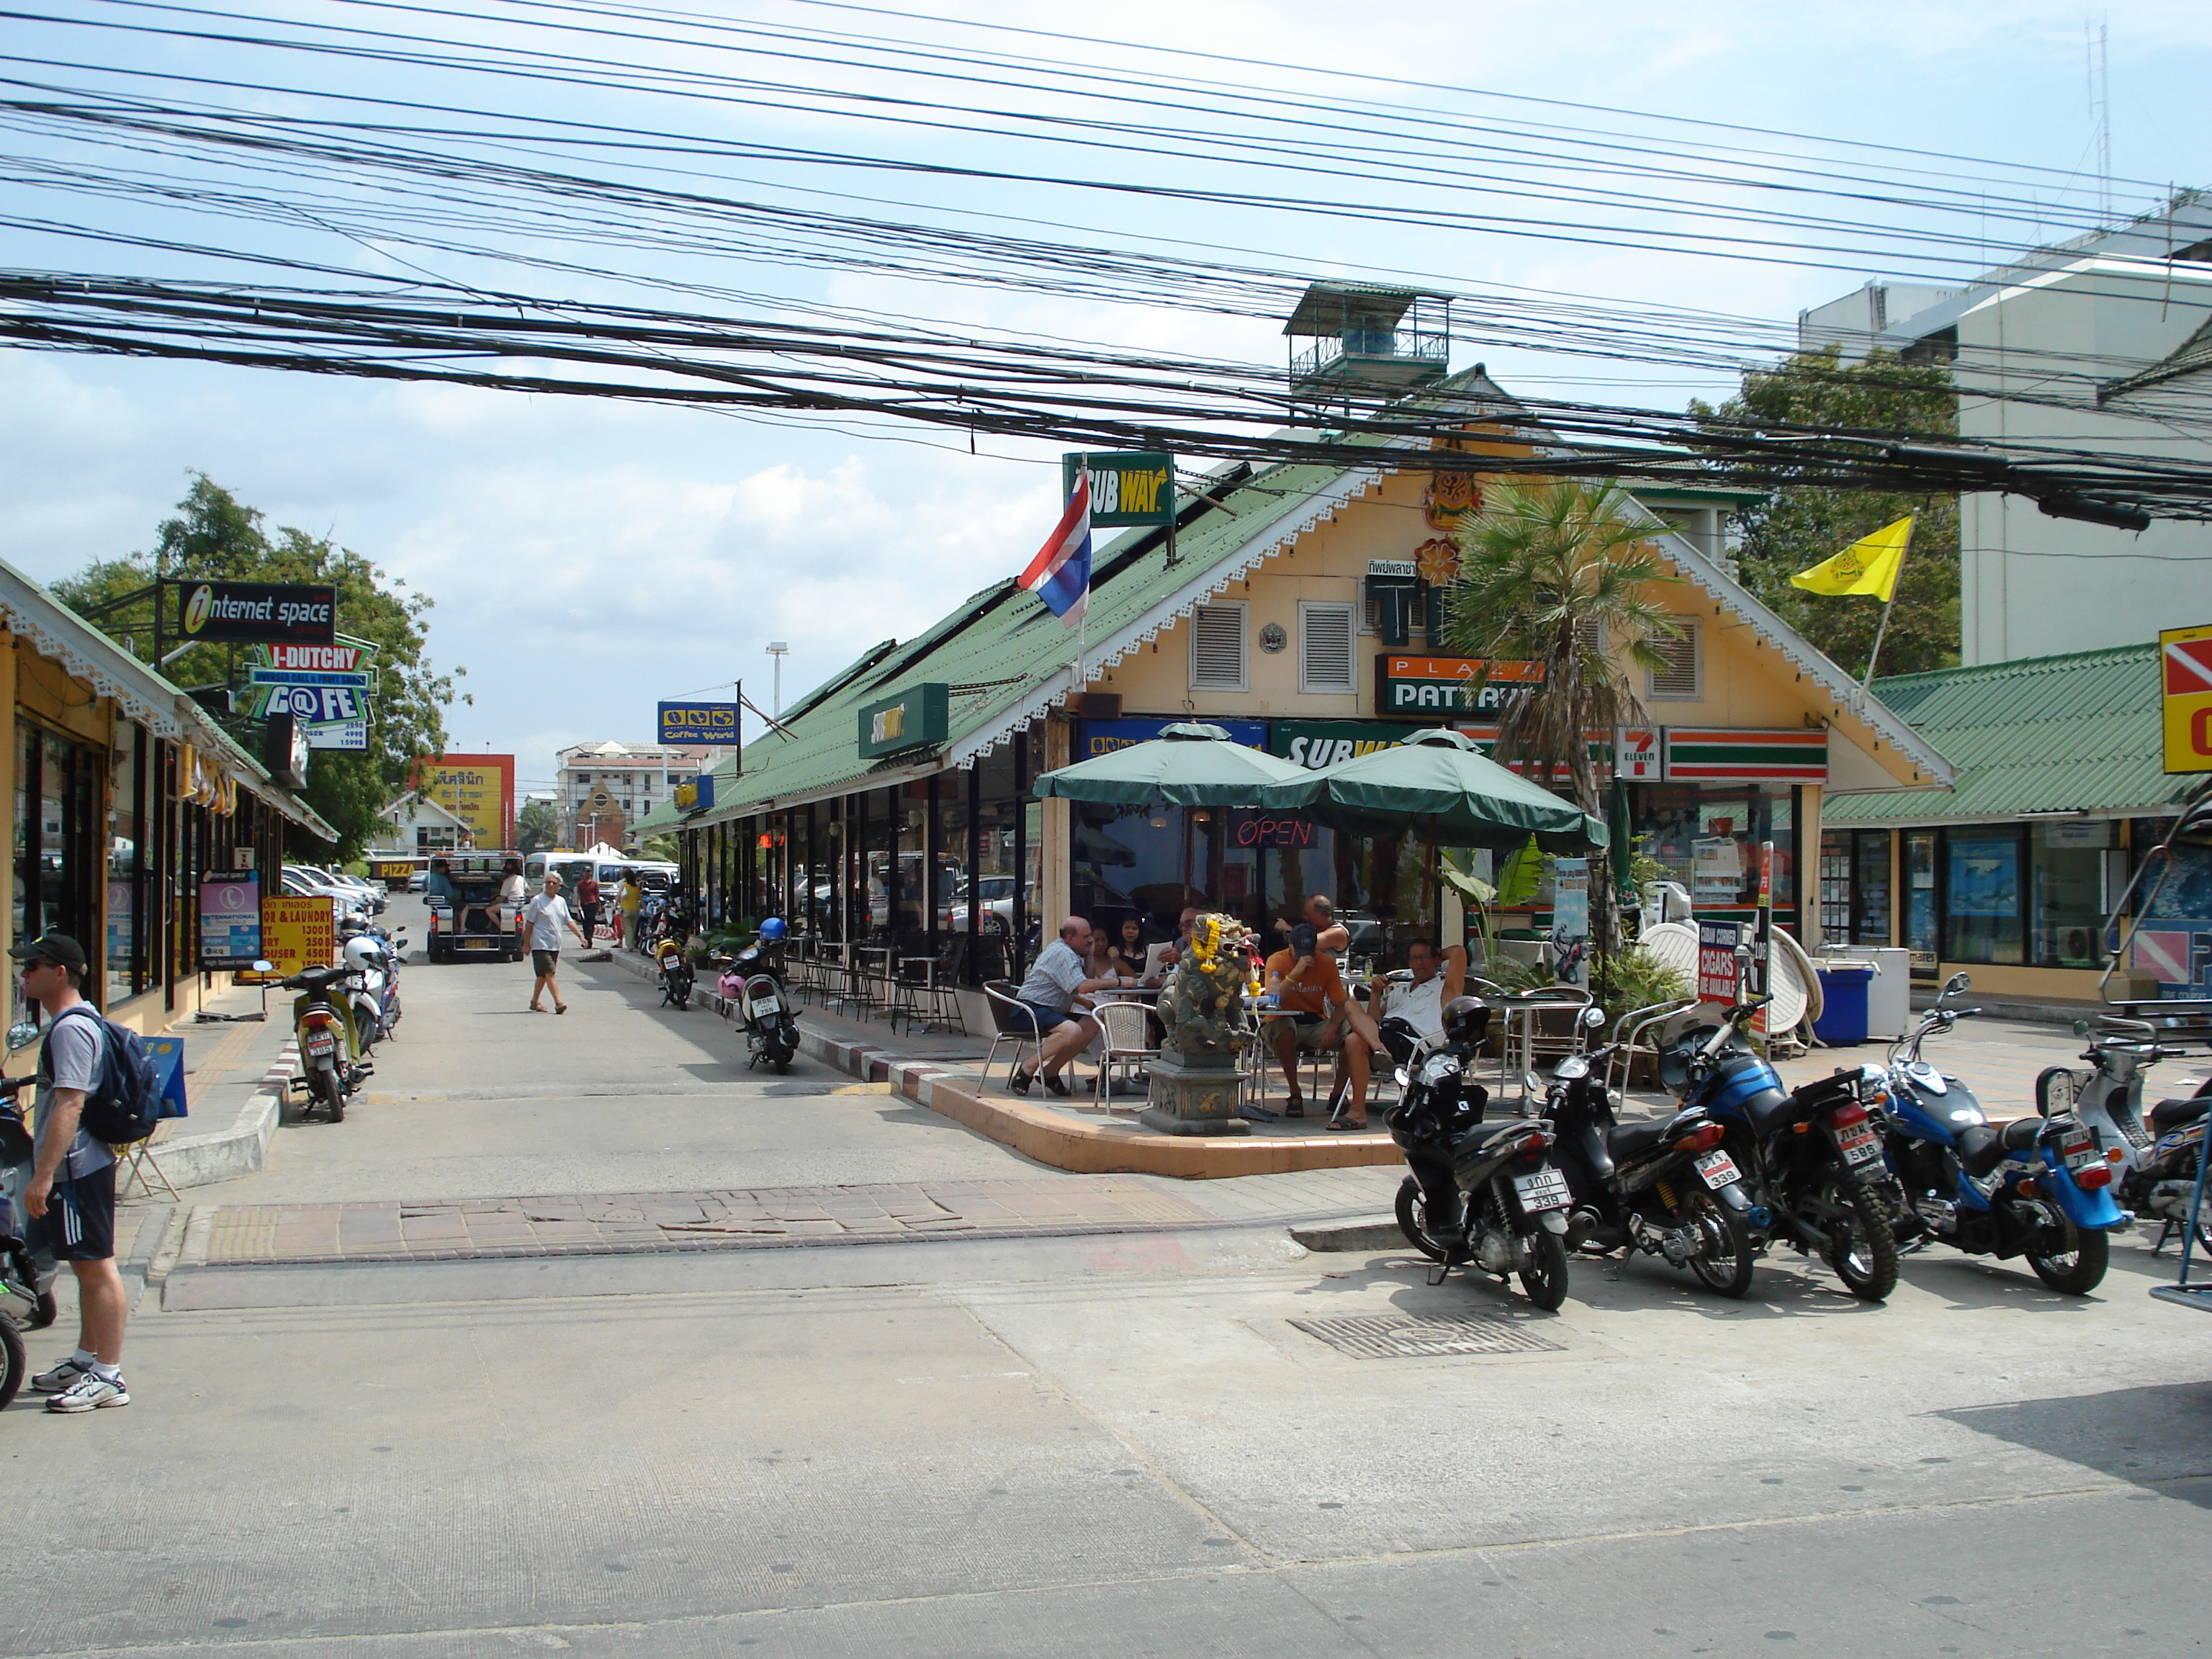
<point x="53" y="947"/>
<point x="1306" y="941"/>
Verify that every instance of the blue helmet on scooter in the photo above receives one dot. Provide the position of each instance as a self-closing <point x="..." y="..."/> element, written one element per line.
<point x="773" y="930"/>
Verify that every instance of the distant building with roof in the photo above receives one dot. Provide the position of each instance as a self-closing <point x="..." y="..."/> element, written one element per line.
<point x="601" y="788"/>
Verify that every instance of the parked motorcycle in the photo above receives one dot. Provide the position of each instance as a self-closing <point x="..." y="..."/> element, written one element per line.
<point x="754" y="986"/>
<point x="2038" y="1188"/>
<point x="1483" y="1197"/>
<point x="678" y="978"/>
<point x="2154" y="1166"/>
<point x="374" y="995"/>
<point x="1810" y="1155"/>
<point x="1668" y="1188"/>
<point x="323" y="1026"/>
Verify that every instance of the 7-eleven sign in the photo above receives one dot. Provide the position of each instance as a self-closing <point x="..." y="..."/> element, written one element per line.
<point x="2186" y="669"/>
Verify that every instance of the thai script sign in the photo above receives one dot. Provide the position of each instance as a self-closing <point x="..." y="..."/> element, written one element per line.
<point x="478" y="790"/>
<point x="295" y="934"/>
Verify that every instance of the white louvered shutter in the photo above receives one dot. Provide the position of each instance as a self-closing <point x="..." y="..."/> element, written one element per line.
<point x="1678" y="680"/>
<point x="1217" y="647"/>
<point x="1325" y="641"/>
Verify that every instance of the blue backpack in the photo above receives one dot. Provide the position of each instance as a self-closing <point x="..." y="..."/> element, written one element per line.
<point x="127" y="1104"/>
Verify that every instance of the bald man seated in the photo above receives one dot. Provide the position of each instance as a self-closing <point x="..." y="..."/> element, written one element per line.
<point x="1056" y="980"/>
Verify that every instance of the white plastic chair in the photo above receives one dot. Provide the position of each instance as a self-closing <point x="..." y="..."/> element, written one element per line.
<point x="1124" y="1034"/>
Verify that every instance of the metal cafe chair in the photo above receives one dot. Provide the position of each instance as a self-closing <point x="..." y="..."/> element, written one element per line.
<point x="1013" y="1021"/>
<point x="1124" y="1034"/>
<point x="929" y="991"/>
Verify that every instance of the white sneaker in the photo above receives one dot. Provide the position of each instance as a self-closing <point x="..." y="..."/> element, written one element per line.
<point x="90" y="1392"/>
<point x="60" y="1377"/>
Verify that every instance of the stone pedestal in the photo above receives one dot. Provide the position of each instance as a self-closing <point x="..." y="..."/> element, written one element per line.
<point x="1193" y="1096"/>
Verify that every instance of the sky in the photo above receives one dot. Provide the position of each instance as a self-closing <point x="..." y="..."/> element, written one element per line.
<point x="588" y="558"/>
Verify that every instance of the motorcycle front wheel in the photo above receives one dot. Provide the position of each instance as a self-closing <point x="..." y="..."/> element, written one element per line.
<point x="1725" y="1265"/>
<point x="324" y="1086"/>
<point x="1414" y="1219"/>
<point x="2077" y="1266"/>
<point x="1545" y="1277"/>
<point x="15" y="1362"/>
<point x="1861" y="1248"/>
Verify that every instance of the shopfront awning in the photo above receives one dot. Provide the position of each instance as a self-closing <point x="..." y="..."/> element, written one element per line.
<point x="1440" y="783"/>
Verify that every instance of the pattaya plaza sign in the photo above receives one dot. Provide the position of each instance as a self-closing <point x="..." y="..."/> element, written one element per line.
<point x="1407" y="684"/>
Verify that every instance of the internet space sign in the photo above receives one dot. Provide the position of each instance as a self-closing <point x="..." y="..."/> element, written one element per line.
<point x="259" y="611"/>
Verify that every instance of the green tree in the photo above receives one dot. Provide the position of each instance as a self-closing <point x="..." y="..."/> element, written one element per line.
<point x="1804" y="524"/>
<point x="536" y="826"/>
<point x="1553" y="573"/>
<point x="214" y="535"/>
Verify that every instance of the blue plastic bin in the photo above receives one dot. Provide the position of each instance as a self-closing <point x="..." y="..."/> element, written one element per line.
<point x="1843" y="1021"/>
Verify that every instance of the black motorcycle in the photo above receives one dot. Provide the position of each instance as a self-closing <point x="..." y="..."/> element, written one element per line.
<point x="1480" y="1195"/>
<point x="753" y="988"/>
<point x="1665" y="1188"/>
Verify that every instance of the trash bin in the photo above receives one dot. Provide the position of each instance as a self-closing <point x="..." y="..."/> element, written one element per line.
<point x="1843" y="1021"/>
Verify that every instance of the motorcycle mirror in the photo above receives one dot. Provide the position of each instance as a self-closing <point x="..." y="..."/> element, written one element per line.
<point x="1743" y="954"/>
<point x="1532" y="1083"/>
<point x="1405" y="1078"/>
<point x="1956" y="983"/>
<point x="263" y="966"/>
<point x="22" y="1035"/>
<point x="2081" y="1028"/>
<point x="1593" y="1015"/>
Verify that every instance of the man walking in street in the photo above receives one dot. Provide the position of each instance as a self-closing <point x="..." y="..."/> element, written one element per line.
<point x="72" y="1190"/>
<point x="1054" y="982"/>
<point x="587" y="901"/>
<point x="543" y="918"/>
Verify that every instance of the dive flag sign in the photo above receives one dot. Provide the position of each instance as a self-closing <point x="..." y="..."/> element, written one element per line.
<point x="2185" y="661"/>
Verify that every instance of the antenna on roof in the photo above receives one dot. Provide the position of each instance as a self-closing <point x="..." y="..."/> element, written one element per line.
<point x="2100" y="117"/>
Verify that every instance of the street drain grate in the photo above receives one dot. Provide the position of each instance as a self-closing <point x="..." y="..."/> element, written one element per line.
<point x="1414" y="1336"/>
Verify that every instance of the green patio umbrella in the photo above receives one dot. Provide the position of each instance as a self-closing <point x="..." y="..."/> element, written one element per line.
<point x="1439" y="781"/>
<point x="1188" y="764"/>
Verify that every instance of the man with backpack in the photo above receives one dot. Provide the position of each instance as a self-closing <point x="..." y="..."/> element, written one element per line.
<point x="72" y="1189"/>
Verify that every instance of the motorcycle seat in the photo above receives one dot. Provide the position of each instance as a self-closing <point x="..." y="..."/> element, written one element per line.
<point x="2171" y="1114"/>
<point x="1981" y="1148"/>
<point x="1628" y="1140"/>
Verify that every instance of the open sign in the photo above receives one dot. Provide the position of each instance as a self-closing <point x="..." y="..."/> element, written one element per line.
<point x="1271" y="829"/>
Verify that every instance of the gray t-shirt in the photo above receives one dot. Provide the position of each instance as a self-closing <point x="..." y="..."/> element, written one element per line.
<point x="1053" y="979"/>
<point x="544" y="917"/>
<point x="70" y="1060"/>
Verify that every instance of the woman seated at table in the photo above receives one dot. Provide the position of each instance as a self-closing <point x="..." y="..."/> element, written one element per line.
<point x="1122" y="950"/>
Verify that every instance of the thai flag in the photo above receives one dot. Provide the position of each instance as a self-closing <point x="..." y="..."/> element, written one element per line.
<point x="1060" y="573"/>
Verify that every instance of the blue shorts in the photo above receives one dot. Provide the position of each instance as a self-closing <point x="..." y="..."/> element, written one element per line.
<point x="1049" y="1019"/>
<point x="79" y="1225"/>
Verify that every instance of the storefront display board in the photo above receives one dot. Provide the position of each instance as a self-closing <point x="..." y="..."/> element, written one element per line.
<point x="295" y="934"/>
<point x="230" y="921"/>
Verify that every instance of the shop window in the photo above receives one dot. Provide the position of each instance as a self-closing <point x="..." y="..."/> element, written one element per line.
<point x="1217" y="647"/>
<point x="1707" y="837"/>
<point x="1835" y="884"/>
<point x="1920" y="934"/>
<point x="1981" y="901"/>
<point x="1681" y="678"/>
<point x="2066" y="866"/>
<point x="1325" y="647"/>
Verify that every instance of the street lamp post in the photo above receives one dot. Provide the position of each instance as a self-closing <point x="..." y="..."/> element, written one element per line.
<point x="779" y="649"/>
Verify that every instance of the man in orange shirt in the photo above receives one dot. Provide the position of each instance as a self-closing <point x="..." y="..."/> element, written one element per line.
<point x="1321" y="1017"/>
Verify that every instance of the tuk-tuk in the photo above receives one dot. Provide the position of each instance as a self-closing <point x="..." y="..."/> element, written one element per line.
<point x="473" y="922"/>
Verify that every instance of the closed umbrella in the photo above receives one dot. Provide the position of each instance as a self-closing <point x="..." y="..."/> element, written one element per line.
<point x="1441" y="781"/>
<point x="1188" y="764"/>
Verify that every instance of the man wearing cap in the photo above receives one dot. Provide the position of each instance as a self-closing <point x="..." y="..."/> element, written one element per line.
<point x="72" y="1190"/>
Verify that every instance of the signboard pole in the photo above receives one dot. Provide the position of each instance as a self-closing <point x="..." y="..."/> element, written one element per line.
<point x="1764" y="956"/>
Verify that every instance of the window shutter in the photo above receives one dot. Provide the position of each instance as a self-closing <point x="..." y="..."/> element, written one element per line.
<point x="1217" y="647"/>
<point x="1678" y="680"/>
<point x="1325" y="647"/>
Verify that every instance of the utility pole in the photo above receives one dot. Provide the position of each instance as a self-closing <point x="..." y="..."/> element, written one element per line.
<point x="779" y="650"/>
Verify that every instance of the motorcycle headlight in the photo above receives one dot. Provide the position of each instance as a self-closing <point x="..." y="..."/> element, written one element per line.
<point x="1440" y="1068"/>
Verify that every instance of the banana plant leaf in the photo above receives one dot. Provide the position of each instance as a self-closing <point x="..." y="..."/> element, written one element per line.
<point x="1439" y="782"/>
<point x="1188" y="764"/>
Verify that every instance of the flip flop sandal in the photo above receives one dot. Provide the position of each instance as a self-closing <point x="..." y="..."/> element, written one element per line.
<point x="1346" y="1124"/>
<point x="560" y="1007"/>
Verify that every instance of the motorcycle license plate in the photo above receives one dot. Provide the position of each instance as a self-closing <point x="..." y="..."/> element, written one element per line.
<point x="1546" y="1189"/>
<point x="2080" y="1154"/>
<point x="322" y="1045"/>
<point x="475" y="944"/>
<point x="1718" y="1168"/>
<point x="767" y="1005"/>
<point x="1859" y="1144"/>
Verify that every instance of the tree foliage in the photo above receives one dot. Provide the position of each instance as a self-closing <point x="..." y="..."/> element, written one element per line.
<point x="1803" y="524"/>
<point x="1553" y="573"/>
<point x="536" y="826"/>
<point x="216" y="536"/>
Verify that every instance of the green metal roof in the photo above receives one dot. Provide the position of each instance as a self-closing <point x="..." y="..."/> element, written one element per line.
<point x="2047" y="734"/>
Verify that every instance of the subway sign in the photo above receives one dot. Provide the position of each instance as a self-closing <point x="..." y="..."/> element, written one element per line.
<point x="1450" y="686"/>
<point x="913" y="719"/>
<point x="1135" y="487"/>
<point x="694" y="723"/>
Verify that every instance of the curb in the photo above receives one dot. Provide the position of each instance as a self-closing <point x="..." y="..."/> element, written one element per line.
<point x="1364" y="1237"/>
<point x="226" y="1154"/>
<point x="1062" y="1143"/>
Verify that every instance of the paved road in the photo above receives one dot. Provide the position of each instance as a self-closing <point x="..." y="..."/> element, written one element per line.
<point x="1171" y="1443"/>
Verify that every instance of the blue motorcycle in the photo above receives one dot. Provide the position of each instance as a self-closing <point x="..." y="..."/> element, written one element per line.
<point x="1809" y="1156"/>
<point x="2038" y="1188"/>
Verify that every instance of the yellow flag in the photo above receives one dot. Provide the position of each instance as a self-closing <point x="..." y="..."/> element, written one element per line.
<point x="1868" y="565"/>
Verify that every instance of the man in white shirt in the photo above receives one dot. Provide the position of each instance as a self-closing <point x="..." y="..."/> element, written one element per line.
<point x="543" y="918"/>
<point x="1438" y="980"/>
<point x="1055" y="981"/>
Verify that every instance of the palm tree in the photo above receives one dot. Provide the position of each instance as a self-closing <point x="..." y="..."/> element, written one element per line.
<point x="1553" y="573"/>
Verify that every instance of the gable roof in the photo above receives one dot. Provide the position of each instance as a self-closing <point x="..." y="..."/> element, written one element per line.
<point x="2074" y="733"/>
<point x="1008" y="660"/>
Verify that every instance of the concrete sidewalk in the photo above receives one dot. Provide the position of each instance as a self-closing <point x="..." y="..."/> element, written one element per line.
<point x="237" y="1077"/>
